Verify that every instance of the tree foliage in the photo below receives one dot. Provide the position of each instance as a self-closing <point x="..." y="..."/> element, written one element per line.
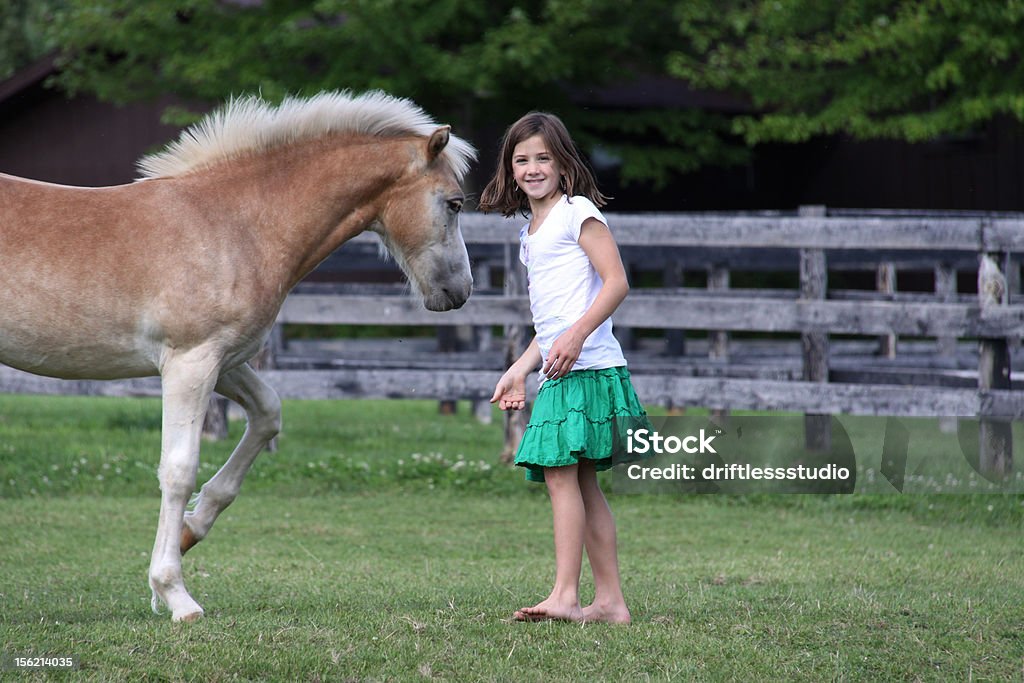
<point x="23" y="32"/>
<point x="903" y="69"/>
<point x="477" y="64"/>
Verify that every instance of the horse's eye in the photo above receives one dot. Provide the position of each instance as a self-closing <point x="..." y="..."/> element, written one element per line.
<point x="455" y="205"/>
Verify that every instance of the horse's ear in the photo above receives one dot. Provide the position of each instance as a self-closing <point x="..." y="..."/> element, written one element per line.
<point x="438" y="141"/>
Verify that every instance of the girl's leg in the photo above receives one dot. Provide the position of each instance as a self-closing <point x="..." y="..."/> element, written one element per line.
<point x="602" y="550"/>
<point x="569" y="522"/>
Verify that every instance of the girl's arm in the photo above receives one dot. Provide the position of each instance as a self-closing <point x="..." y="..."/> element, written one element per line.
<point x="511" y="388"/>
<point x="599" y="245"/>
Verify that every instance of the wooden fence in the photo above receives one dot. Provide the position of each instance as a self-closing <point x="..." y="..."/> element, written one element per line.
<point x="957" y="359"/>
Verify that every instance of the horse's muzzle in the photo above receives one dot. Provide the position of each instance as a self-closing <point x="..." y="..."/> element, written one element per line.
<point x="447" y="299"/>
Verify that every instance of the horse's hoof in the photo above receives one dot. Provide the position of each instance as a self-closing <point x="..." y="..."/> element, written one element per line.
<point x="188" y="539"/>
<point x="189" y="617"/>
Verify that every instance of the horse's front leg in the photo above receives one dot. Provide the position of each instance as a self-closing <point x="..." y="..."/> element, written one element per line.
<point x="263" y="411"/>
<point x="188" y="380"/>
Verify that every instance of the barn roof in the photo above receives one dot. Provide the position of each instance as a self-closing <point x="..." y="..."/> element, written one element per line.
<point x="25" y="78"/>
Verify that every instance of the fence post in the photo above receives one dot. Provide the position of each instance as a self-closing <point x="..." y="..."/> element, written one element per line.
<point x="885" y="281"/>
<point x="995" y="447"/>
<point x="447" y="342"/>
<point x="215" y="424"/>
<point x="516" y="341"/>
<point x="945" y="346"/>
<point x="813" y="286"/>
<point x="718" y="340"/>
<point x="625" y="335"/>
<point x="266" y="359"/>
<point x="1013" y="291"/>
<point x="675" y="340"/>
<point x="482" y="340"/>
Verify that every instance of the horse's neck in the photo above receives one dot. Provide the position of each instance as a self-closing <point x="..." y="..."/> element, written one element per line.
<point x="301" y="204"/>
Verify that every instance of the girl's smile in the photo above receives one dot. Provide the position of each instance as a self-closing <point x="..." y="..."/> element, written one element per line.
<point x="535" y="170"/>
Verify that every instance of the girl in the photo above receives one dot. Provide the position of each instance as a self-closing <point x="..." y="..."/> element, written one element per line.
<point x="576" y="281"/>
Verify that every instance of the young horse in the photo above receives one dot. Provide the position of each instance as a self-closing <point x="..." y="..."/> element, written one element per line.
<point x="182" y="275"/>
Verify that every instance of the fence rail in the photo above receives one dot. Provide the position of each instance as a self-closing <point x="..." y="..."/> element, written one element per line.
<point x="811" y="232"/>
<point x="472" y="384"/>
<point x="692" y="311"/>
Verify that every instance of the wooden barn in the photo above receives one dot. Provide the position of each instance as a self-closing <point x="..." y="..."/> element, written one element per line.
<point x="45" y="135"/>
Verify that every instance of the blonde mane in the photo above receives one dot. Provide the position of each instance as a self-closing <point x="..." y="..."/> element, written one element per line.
<point x="250" y="124"/>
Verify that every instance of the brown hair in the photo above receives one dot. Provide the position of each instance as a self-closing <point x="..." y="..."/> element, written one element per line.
<point x="503" y="195"/>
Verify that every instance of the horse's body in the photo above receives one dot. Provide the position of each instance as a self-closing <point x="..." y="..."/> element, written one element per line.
<point x="182" y="275"/>
<point x="106" y="278"/>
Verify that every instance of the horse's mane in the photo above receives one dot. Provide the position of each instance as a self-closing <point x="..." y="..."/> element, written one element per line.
<point x="251" y="124"/>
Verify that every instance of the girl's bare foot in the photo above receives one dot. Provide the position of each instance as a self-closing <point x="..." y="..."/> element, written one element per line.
<point x="549" y="610"/>
<point x="611" y="614"/>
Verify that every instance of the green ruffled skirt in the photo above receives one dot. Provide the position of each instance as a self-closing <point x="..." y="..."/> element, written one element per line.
<point x="583" y="415"/>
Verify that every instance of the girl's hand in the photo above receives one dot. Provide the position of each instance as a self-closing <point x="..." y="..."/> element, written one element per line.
<point x="563" y="354"/>
<point x="510" y="392"/>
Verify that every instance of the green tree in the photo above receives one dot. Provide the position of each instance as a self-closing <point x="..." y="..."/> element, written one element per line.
<point x="902" y="69"/>
<point x="476" y="64"/>
<point x="23" y="32"/>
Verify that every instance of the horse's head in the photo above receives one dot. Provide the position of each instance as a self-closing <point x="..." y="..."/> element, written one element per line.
<point x="419" y="224"/>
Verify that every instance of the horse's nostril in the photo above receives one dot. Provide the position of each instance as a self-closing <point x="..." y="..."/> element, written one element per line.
<point x="455" y="297"/>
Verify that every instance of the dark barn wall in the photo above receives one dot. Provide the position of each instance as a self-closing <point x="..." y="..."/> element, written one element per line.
<point x="983" y="171"/>
<point x="79" y="141"/>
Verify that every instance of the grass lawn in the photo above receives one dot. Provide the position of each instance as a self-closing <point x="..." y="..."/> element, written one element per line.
<point x="339" y="563"/>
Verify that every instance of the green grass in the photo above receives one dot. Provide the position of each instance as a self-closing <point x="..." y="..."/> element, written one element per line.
<point x="406" y="586"/>
<point x="342" y="571"/>
<point x="88" y="445"/>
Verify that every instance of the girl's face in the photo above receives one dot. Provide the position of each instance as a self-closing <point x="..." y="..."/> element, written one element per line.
<point x="535" y="170"/>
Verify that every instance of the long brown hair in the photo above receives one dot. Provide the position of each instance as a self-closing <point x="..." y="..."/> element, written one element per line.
<point x="503" y="195"/>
